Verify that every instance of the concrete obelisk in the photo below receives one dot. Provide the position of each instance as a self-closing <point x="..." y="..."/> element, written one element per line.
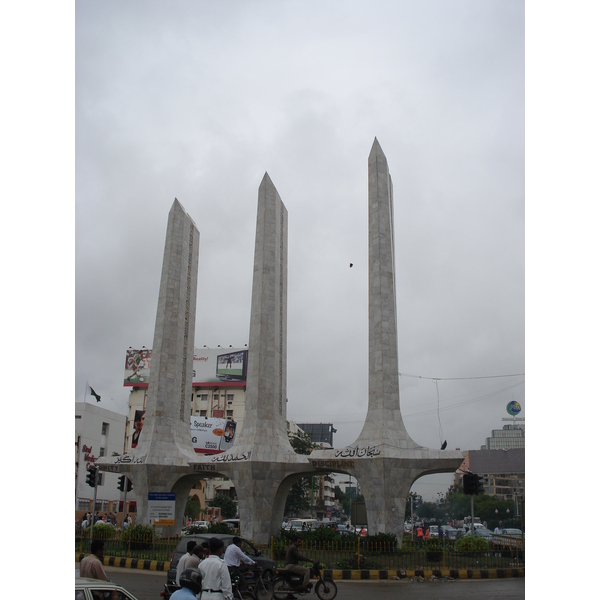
<point x="262" y="464"/>
<point x="384" y="458"/>
<point x="165" y="446"/>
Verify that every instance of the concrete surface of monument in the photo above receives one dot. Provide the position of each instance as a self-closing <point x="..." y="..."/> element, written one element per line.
<point x="262" y="464"/>
<point x="164" y="449"/>
<point x="384" y="458"/>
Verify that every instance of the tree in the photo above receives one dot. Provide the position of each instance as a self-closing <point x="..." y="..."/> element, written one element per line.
<point x="299" y="494"/>
<point x="192" y="507"/>
<point x="226" y="504"/>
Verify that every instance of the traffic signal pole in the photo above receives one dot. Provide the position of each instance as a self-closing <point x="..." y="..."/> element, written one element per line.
<point x="472" y="514"/>
<point x="124" y="504"/>
<point x="94" y="504"/>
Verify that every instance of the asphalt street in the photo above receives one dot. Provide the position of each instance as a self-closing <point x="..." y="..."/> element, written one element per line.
<point x="147" y="585"/>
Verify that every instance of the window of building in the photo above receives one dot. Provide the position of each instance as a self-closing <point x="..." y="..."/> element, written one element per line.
<point x="230" y="414"/>
<point x="104" y="428"/>
<point x="101" y="478"/>
<point x="102" y="451"/>
<point x="202" y="413"/>
<point x="229" y="398"/>
<point x="203" y="397"/>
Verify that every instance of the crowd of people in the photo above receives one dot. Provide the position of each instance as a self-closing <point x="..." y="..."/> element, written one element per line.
<point x="107" y="519"/>
<point x="205" y="568"/>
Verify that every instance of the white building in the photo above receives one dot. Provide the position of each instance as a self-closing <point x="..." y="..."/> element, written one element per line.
<point x="98" y="432"/>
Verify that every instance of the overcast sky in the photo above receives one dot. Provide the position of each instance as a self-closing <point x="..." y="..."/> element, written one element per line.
<point x="197" y="100"/>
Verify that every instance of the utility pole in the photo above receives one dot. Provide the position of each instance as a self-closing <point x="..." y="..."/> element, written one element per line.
<point x="96" y="473"/>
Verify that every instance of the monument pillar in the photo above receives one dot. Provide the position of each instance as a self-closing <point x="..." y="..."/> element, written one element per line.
<point x="384" y="458"/>
<point x="262" y="462"/>
<point x="165" y="448"/>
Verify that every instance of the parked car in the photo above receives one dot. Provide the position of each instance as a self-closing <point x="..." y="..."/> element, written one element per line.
<point x="434" y="531"/>
<point x="233" y="524"/>
<point x="269" y="567"/>
<point x="451" y="533"/>
<point x="96" y="589"/>
<point x="512" y="532"/>
<point x="302" y="524"/>
<point x="483" y="532"/>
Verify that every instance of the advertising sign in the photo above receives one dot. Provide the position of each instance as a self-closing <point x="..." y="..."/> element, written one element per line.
<point x="161" y="508"/>
<point x="212" y="436"/>
<point x="137" y="366"/>
<point x="513" y="408"/>
<point x="211" y="366"/>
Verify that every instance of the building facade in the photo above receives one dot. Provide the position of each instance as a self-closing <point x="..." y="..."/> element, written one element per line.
<point x="510" y="436"/>
<point x="98" y="432"/>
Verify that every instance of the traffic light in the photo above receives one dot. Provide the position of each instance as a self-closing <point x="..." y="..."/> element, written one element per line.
<point x="91" y="476"/>
<point x="469" y="483"/>
<point x="472" y="484"/>
<point x="121" y="485"/>
<point x="129" y="485"/>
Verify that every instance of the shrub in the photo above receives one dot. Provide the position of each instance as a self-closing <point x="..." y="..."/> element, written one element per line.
<point x="216" y="528"/>
<point x="138" y="537"/>
<point x="471" y="543"/>
<point x="102" y="531"/>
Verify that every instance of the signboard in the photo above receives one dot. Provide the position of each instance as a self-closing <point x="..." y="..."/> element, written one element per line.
<point x="161" y="508"/>
<point x="513" y="408"/>
<point x="212" y="436"/>
<point x="221" y="366"/>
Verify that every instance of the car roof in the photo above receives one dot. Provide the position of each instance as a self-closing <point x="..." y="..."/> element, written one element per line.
<point x="87" y="581"/>
<point x="205" y="537"/>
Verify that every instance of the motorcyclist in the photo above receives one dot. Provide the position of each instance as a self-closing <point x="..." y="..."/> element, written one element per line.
<point x="294" y="557"/>
<point x="191" y="585"/>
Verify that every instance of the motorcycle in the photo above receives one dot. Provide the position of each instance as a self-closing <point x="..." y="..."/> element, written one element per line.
<point x="170" y="588"/>
<point x="261" y="588"/>
<point x="287" y="582"/>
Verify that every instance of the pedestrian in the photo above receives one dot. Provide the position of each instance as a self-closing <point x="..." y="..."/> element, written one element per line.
<point x="181" y="565"/>
<point x="91" y="566"/>
<point x="216" y="581"/>
<point x="191" y="585"/>
<point x="195" y="558"/>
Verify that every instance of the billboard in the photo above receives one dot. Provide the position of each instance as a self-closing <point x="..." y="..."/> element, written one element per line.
<point x="212" y="436"/>
<point x="212" y="367"/>
<point x="137" y="366"/>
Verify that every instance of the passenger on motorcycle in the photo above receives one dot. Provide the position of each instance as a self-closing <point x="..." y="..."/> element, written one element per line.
<point x="191" y="585"/>
<point x="294" y="557"/>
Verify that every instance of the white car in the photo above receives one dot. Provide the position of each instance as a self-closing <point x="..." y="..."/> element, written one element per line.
<point x="95" y="589"/>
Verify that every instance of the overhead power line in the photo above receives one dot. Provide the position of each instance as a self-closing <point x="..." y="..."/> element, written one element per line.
<point x="460" y="378"/>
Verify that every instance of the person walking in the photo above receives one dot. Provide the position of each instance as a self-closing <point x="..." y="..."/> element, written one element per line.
<point x="195" y="558"/>
<point x="181" y="565"/>
<point x="216" y="581"/>
<point x="91" y="566"/>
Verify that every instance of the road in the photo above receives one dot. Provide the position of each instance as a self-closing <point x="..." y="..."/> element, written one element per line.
<point x="147" y="585"/>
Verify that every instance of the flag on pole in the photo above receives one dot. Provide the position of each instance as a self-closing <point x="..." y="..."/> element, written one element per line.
<point x="93" y="393"/>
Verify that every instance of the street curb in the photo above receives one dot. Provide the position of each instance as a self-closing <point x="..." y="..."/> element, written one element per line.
<point x="339" y="574"/>
<point x="348" y="574"/>
<point x="130" y="563"/>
